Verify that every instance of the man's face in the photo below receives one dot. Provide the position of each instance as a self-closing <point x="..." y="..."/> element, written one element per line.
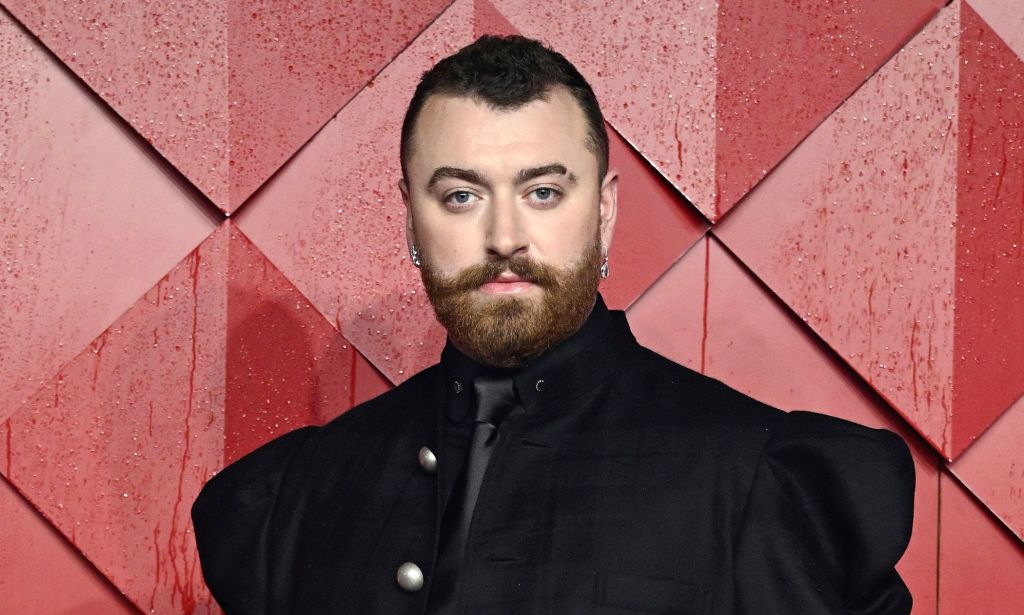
<point x="510" y="219"/>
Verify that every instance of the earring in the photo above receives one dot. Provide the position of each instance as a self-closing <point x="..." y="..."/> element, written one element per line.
<point x="414" y="256"/>
<point x="604" y="265"/>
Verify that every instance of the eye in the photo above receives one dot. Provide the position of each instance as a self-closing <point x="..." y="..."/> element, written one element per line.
<point x="460" y="199"/>
<point x="545" y="195"/>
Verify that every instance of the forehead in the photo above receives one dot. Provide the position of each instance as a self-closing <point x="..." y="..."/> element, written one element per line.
<point x="469" y="133"/>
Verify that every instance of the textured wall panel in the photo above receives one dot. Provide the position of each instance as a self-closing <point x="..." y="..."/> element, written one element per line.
<point x="88" y="218"/>
<point x="715" y="94"/>
<point x="31" y="551"/>
<point x="993" y="468"/>
<point x="981" y="564"/>
<point x="654" y="226"/>
<point x="333" y="222"/>
<point x="783" y="66"/>
<point x="287" y="366"/>
<point x="903" y="249"/>
<point x="657" y="88"/>
<point x="227" y="91"/>
<point x="293" y="64"/>
<point x="745" y="337"/>
<point x="165" y="72"/>
<point x="841" y="233"/>
<point x="115" y="448"/>
<point x="989" y="324"/>
<point x="1006" y="17"/>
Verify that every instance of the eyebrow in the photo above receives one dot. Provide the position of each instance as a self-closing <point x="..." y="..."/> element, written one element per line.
<point x="524" y="175"/>
<point x="465" y="175"/>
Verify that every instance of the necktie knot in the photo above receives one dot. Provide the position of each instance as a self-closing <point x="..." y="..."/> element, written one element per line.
<point x="495" y="398"/>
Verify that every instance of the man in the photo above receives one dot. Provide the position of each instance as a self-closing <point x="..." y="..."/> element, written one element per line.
<point x="548" y="464"/>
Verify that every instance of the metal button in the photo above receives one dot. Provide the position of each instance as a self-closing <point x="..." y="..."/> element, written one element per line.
<point x="410" y="577"/>
<point x="428" y="460"/>
<point x="540" y="385"/>
<point x="456" y="386"/>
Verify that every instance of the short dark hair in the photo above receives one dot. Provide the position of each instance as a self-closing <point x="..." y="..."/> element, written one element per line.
<point x="507" y="72"/>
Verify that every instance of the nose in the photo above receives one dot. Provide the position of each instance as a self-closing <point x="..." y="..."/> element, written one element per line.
<point x="505" y="235"/>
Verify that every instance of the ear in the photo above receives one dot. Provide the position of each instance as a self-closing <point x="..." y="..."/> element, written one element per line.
<point x="410" y="228"/>
<point x="609" y="207"/>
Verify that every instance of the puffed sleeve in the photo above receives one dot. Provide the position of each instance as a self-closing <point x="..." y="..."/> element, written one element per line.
<point x="828" y="515"/>
<point x="230" y="518"/>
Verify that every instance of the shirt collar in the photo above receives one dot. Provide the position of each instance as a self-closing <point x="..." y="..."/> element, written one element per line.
<point x="531" y="380"/>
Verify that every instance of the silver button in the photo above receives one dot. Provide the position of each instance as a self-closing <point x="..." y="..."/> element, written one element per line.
<point x="540" y="385"/>
<point x="456" y="386"/>
<point x="428" y="460"/>
<point x="410" y="577"/>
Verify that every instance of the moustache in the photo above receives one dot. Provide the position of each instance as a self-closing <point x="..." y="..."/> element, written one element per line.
<point x="529" y="270"/>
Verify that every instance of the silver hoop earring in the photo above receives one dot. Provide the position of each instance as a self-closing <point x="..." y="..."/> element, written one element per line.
<point x="414" y="256"/>
<point x="604" y="265"/>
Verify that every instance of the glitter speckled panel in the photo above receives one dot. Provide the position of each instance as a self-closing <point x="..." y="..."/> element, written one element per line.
<point x="294" y="64"/>
<point x="720" y="82"/>
<point x="745" y="337"/>
<point x="1006" y="18"/>
<point x="227" y="91"/>
<point x="333" y="222"/>
<point x="88" y="222"/>
<point x="657" y="88"/>
<point x="840" y="232"/>
<point x="989" y="323"/>
<point x="654" y="226"/>
<point x="783" y="66"/>
<point x="32" y="550"/>
<point x="981" y="564"/>
<point x="993" y="468"/>
<point x="115" y="448"/>
<point x="286" y="365"/>
<point x="165" y="72"/>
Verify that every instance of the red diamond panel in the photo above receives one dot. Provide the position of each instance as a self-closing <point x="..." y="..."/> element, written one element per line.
<point x="736" y="83"/>
<point x="114" y="450"/>
<point x="288" y="366"/>
<point x="839" y="233"/>
<point x="33" y="550"/>
<point x="82" y="234"/>
<point x="1006" y="18"/>
<point x="981" y="563"/>
<point x="993" y="468"/>
<point x="217" y="358"/>
<point x="743" y="336"/>
<point x="989" y="324"/>
<point x="227" y="91"/>
<point x="332" y="220"/>
<point x="783" y="66"/>
<point x="925" y="302"/>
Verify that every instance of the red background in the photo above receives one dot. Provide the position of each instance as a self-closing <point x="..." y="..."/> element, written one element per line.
<point x="822" y="205"/>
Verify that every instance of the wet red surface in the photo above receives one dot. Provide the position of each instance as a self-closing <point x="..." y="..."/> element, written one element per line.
<point x="980" y="562"/>
<point x="784" y="66"/>
<point x="227" y="91"/>
<point x="68" y="217"/>
<point x="989" y="323"/>
<point x="840" y="232"/>
<point x="333" y="221"/>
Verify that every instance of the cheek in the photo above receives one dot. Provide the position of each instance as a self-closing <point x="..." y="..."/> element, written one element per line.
<point x="563" y="240"/>
<point x="448" y="249"/>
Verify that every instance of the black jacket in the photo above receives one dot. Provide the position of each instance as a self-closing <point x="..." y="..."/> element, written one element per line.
<point x="630" y="485"/>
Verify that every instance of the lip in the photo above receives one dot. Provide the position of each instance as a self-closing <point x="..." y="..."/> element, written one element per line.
<point x="506" y="284"/>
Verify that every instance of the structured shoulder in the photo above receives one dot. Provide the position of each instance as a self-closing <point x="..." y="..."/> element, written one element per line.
<point x="700" y="397"/>
<point x="830" y="509"/>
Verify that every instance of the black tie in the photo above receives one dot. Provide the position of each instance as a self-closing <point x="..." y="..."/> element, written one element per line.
<point x="496" y="397"/>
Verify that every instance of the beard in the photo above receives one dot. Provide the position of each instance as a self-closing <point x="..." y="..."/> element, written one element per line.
<point x="507" y="332"/>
